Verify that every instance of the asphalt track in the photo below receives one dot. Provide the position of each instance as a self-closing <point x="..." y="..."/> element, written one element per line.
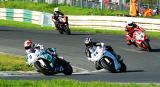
<point x="142" y="66"/>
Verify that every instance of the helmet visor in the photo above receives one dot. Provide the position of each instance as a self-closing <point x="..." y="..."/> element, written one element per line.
<point x="28" y="47"/>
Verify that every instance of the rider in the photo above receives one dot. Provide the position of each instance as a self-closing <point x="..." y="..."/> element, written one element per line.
<point x="32" y="48"/>
<point x="92" y="46"/>
<point x="56" y="14"/>
<point x="130" y="28"/>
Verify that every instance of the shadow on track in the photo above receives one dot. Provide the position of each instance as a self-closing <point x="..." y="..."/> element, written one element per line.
<point x="6" y="30"/>
<point x="156" y="50"/>
<point x="81" y="34"/>
<point x="134" y="71"/>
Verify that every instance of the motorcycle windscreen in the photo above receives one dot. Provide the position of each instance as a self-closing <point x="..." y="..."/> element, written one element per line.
<point x="116" y="63"/>
<point x="48" y="57"/>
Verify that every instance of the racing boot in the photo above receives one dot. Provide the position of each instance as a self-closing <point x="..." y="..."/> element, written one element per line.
<point x="133" y="42"/>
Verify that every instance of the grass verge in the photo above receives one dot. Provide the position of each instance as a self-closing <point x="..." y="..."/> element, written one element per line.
<point x="66" y="83"/>
<point x="6" y="63"/>
<point x="66" y="9"/>
<point x="13" y="63"/>
<point x="26" y="25"/>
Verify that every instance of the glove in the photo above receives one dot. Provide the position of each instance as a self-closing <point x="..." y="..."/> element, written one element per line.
<point x="38" y="46"/>
<point x="132" y="40"/>
<point x="102" y="44"/>
<point x="89" y="58"/>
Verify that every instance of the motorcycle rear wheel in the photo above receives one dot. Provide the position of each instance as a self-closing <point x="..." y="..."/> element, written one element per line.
<point x="123" y="67"/>
<point x="148" y="47"/>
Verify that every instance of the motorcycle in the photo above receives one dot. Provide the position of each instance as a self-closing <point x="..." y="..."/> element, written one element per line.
<point x="141" y="40"/>
<point x="47" y="64"/>
<point x="108" y="60"/>
<point x="63" y="25"/>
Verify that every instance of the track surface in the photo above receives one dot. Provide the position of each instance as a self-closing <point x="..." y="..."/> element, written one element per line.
<point x="141" y="66"/>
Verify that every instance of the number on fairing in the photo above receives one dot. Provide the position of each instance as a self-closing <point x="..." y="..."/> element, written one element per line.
<point x="139" y="36"/>
<point x="30" y="57"/>
<point x="95" y="54"/>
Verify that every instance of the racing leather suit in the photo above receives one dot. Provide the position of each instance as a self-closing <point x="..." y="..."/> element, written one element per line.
<point x="92" y="49"/>
<point x="55" y="17"/>
<point x="36" y="48"/>
<point x="129" y="34"/>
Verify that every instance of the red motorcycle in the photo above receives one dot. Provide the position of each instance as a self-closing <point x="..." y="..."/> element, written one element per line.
<point x="63" y="25"/>
<point x="141" y="40"/>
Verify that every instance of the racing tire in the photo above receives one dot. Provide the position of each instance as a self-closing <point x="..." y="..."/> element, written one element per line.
<point x="68" y="70"/>
<point x="43" y="70"/>
<point x="67" y="30"/>
<point x="60" y="31"/>
<point x="108" y="65"/>
<point x="123" y="67"/>
<point x="148" y="47"/>
<point x="97" y="67"/>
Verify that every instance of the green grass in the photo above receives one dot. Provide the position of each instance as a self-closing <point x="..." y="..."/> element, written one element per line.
<point x="13" y="63"/>
<point x="66" y="9"/>
<point x="26" y="25"/>
<point x="115" y="32"/>
<point x="156" y="16"/>
<point x="66" y="83"/>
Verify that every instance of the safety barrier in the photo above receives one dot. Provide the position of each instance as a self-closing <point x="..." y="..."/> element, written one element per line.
<point x="21" y="15"/>
<point x="100" y="22"/>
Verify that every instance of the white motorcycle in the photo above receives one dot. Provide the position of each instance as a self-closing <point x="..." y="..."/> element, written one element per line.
<point x="47" y="64"/>
<point x="107" y="60"/>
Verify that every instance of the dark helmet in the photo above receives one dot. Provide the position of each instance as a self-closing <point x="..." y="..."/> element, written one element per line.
<point x="131" y="24"/>
<point x="88" y="41"/>
<point x="56" y="10"/>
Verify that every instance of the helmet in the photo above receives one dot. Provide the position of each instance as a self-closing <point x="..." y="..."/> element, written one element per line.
<point x="131" y="24"/>
<point x="56" y="9"/>
<point x="27" y="44"/>
<point x="88" y="41"/>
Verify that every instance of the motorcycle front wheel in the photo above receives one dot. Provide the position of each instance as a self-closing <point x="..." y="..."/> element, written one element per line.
<point x="41" y="69"/>
<point x="60" y="31"/>
<point x="67" y="30"/>
<point x="107" y="63"/>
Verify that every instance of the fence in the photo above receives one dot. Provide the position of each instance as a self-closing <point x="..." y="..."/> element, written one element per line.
<point x="98" y="4"/>
<point x="101" y="4"/>
<point x="21" y="15"/>
<point x="100" y="22"/>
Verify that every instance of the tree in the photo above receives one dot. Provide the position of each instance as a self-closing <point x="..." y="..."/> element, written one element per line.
<point x="148" y="1"/>
<point x="127" y="1"/>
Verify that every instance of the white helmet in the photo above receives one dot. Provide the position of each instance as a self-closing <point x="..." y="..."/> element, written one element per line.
<point x="130" y="23"/>
<point x="88" y="42"/>
<point x="56" y="9"/>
